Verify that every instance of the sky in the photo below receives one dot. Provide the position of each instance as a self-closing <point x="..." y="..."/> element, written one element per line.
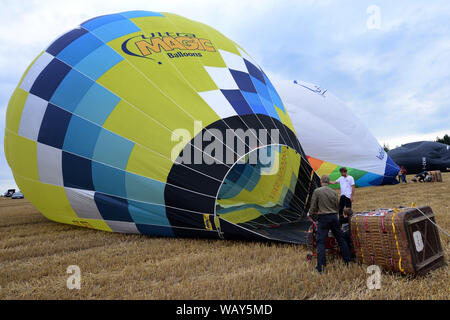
<point x="389" y="61"/>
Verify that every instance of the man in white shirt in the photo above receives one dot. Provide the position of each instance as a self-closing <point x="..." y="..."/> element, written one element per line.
<point x="347" y="184"/>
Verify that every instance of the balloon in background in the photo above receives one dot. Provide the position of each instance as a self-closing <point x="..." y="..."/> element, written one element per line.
<point x="422" y="155"/>
<point x="333" y="137"/>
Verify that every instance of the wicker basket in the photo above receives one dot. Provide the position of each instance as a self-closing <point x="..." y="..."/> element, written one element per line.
<point x="402" y="240"/>
<point x="436" y="176"/>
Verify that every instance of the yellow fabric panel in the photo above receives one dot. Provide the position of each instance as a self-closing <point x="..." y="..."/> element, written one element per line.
<point x="289" y="164"/>
<point x="326" y="168"/>
<point x="52" y="202"/>
<point x="241" y="216"/>
<point x="92" y="224"/>
<point x="212" y="59"/>
<point x="21" y="155"/>
<point x="143" y="131"/>
<point x="14" y="110"/>
<point x="148" y="164"/>
<point x="189" y="70"/>
<point x="168" y="95"/>
<point x="284" y="117"/>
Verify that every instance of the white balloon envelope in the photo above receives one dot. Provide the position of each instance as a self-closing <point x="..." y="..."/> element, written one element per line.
<point x="333" y="137"/>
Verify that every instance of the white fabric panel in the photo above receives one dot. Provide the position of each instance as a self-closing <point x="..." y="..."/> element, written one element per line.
<point x="49" y="161"/>
<point x="328" y="130"/>
<point x="122" y="226"/>
<point x="247" y="57"/>
<point x="35" y="70"/>
<point x="31" y="119"/>
<point x="233" y="61"/>
<point x="222" y="77"/>
<point x="83" y="203"/>
<point x="217" y="101"/>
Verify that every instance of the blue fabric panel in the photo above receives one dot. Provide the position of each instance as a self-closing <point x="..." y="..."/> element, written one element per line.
<point x="146" y="213"/>
<point x="225" y="188"/>
<point x="261" y="88"/>
<point x="112" y="149"/>
<point x="392" y="168"/>
<point x="54" y="126"/>
<point x="243" y="81"/>
<point x="77" y="171"/>
<point x="369" y="179"/>
<point x="97" y="104"/>
<point x="236" y="172"/>
<point x="78" y="49"/>
<point x="81" y="137"/>
<point x="59" y="44"/>
<point x="155" y="230"/>
<point x="144" y="189"/>
<point x="254" y="178"/>
<point x="236" y="99"/>
<point x="71" y="90"/>
<point x="261" y="209"/>
<point x="270" y="108"/>
<point x="255" y="102"/>
<point x="115" y="30"/>
<point x="49" y="79"/>
<point x="245" y="180"/>
<point x="98" y="62"/>
<point x="254" y="71"/>
<point x="108" y="180"/>
<point x="273" y="94"/>
<point x="390" y="172"/>
<point x="96" y="22"/>
<point x="230" y="191"/>
<point x="112" y="208"/>
<point x="140" y="13"/>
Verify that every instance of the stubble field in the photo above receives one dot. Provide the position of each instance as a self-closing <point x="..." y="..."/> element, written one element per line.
<point x="36" y="252"/>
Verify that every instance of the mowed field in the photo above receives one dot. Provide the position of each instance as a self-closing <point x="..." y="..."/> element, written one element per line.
<point x="36" y="252"/>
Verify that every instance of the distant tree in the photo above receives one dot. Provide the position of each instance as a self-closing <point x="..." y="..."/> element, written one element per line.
<point x="445" y="139"/>
<point x="386" y="147"/>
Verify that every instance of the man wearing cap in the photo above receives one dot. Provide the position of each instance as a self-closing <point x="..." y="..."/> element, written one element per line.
<point x="324" y="203"/>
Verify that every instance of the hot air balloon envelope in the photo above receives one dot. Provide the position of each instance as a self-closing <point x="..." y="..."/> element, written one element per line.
<point x="148" y="122"/>
<point x="333" y="137"/>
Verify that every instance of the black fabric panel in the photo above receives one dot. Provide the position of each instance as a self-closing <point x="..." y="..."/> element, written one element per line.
<point x="179" y="198"/>
<point x="201" y="234"/>
<point x="199" y="182"/>
<point x="63" y="41"/>
<point x="233" y="232"/>
<point x="182" y="218"/>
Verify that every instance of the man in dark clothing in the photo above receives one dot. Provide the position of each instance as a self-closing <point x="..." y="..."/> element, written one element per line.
<point x="422" y="176"/>
<point x="324" y="202"/>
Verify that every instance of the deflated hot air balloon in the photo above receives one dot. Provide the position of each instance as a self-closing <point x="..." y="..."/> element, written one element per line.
<point x="333" y="137"/>
<point x="151" y="123"/>
<point x="422" y="155"/>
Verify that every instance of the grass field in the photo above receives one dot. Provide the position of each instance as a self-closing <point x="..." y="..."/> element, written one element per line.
<point x="36" y="252"/>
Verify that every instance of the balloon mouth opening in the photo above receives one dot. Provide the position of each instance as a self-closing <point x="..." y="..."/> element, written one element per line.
<point x="263" y="192"/>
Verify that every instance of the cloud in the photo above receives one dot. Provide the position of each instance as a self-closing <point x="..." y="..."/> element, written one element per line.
<point x="396" y="79"/>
